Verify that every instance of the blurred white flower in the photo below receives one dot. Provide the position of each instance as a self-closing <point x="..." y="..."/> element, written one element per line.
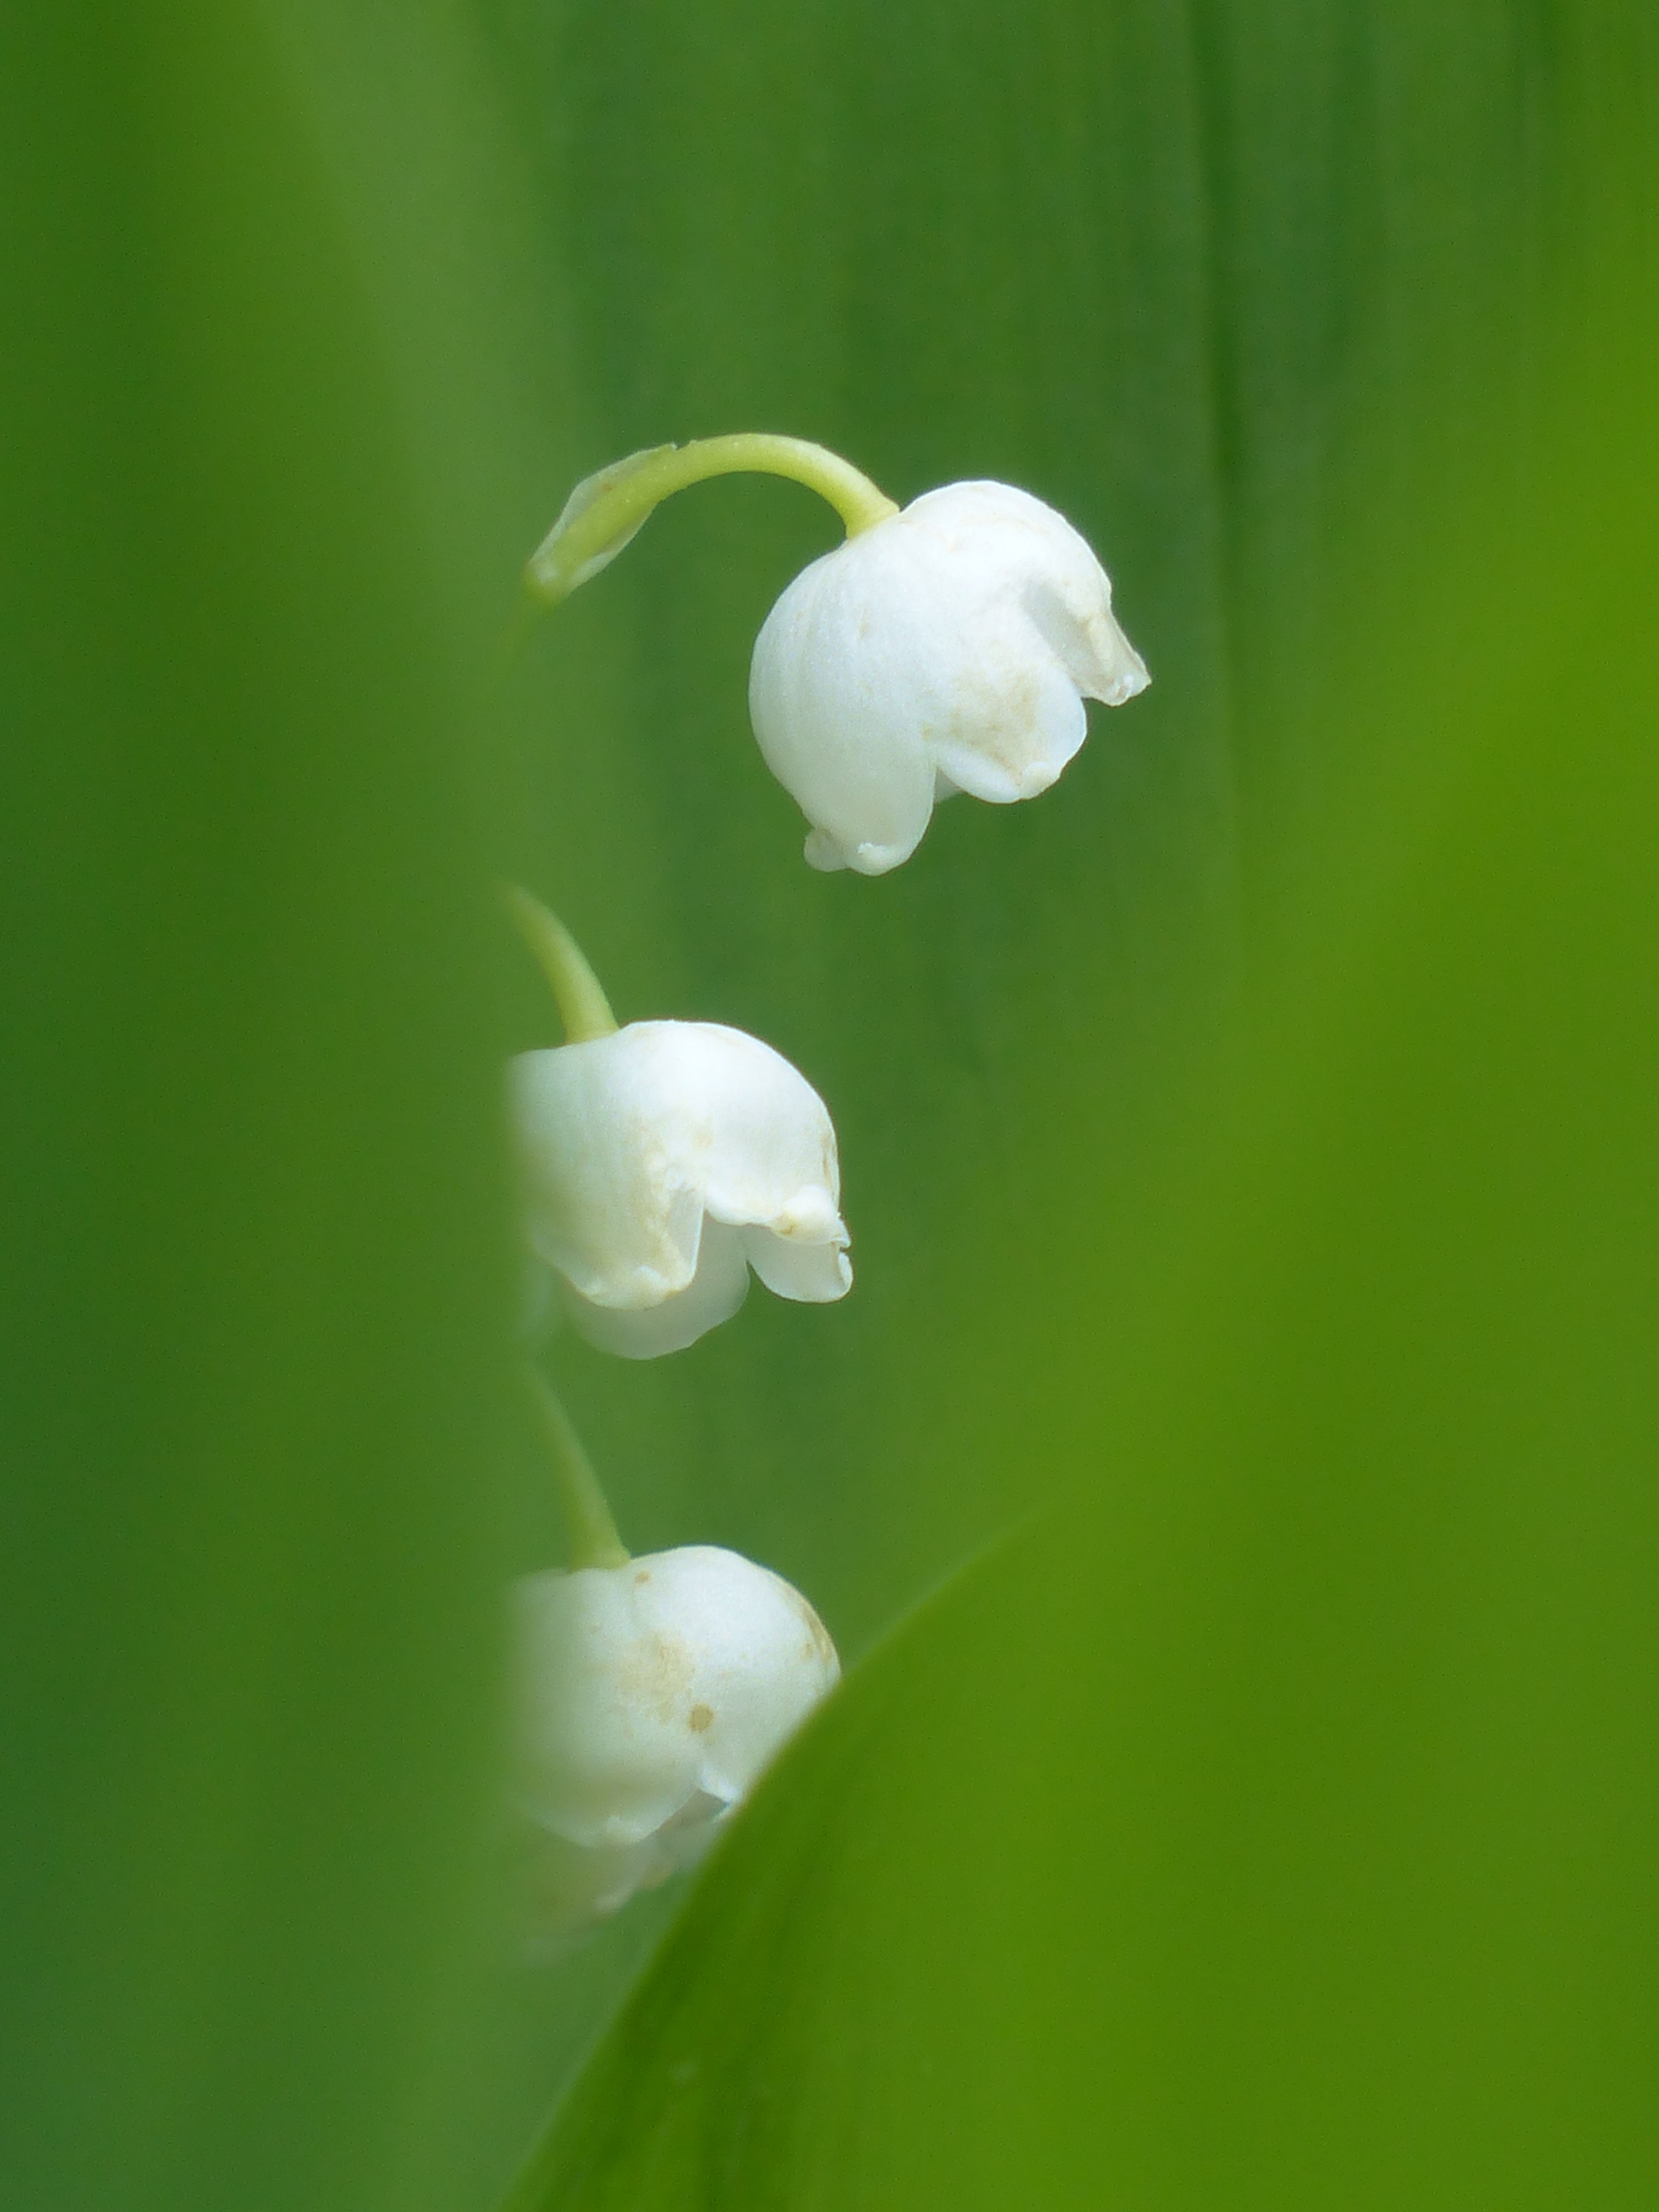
<point x="664" y="1161"/>
<point x="949" y="647"/>
<point x="650" y="1697"/>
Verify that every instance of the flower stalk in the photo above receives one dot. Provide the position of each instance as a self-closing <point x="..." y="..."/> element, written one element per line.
<point x="590" y="1530"/>
<point x="583" y="1007"/>
<point x="607" y="509"/>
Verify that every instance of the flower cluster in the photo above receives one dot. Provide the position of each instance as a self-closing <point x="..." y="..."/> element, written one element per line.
<point x="947" y="647"/>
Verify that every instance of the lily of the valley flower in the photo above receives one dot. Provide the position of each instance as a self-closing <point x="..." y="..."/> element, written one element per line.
<point x="948" y="647"/>
<point x="651" y="1696"/>
<point x="660" y="1163"/>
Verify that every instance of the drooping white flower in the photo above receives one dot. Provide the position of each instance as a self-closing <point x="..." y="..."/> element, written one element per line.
<point x="650" y="1697"/>
<point x="660" y="1163"/>
<point x="948" y="647"/>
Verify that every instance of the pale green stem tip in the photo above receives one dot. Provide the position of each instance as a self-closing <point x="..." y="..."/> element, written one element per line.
<point x="606" y="509"/>
<point x="583" y="1007"/>
<point x="592" y="1533"/>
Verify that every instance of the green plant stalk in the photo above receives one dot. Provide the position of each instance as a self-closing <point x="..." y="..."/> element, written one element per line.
<point x="583" y="1007"/>
<point x="590" y="1527"/>
<point x="606" y="510"/>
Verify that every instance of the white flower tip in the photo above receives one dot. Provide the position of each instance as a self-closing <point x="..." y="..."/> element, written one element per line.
<point x="828" y="858"/>
<point x="809" y="1218"/>
<point x="1124" y="677"/>
<point x="813" y="1272"/>
<point x="876" y="860"/>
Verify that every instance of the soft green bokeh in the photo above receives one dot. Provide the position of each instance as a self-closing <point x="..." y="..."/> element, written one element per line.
<point x="1271" y="1818"/>
<point x="1275" y="303"/>
<point x="253" y="1289"/>
<point x="1287" y="307"/>
<point x="1249" y="1142"/>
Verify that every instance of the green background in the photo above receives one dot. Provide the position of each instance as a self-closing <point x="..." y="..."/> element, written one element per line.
<point x="1248" y="1149"/>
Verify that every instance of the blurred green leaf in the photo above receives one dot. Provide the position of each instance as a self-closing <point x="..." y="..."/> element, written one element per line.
<point x="253" y="1284"/>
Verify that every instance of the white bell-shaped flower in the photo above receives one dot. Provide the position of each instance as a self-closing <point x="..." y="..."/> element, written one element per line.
<point x="660" y="1163"/>
<point x="948" y="647"/>
<point x="650" y="1697"/>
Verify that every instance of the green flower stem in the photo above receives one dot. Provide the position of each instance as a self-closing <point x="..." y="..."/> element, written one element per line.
<point x="583" y="1007"/>
<point x="606" y="510"/>
<point x="589" y="1529"/>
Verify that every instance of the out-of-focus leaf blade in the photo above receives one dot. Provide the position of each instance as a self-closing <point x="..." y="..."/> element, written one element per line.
<point x="253" y="1287"/>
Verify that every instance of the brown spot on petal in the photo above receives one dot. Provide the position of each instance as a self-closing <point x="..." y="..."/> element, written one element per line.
<point x="643" y="1576"/>
<point x="655" y="1671"/>
<point x="701" y="1716"/>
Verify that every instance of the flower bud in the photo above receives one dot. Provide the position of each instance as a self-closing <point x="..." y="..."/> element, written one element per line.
<point x="947" y="648"/>
<point x="651" y="1696"/>
<point x="660" y="1163"/>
